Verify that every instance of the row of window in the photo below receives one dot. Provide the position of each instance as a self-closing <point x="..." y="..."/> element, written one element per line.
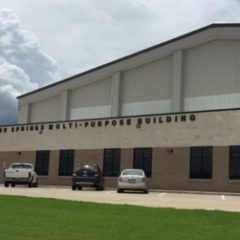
<point x="111" y="162"/>
<point x="200" y="162"/>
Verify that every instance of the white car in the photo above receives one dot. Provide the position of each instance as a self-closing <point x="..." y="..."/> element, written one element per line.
<point x="132" y="179"/>
<point x="20" y="173"/>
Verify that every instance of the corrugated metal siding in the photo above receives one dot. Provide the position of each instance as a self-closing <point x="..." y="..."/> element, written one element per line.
<point x="91" y="101"/>
<point x="147" y="84"/>
<point x="90" y="112"/>
<point x="212" y="76"/>
<point x="96" y="94"/>
<point x="148" y="107"/>
<point x="47" y="110"/>
<point x="212" y="102"/>
<point x="23" y="114"/>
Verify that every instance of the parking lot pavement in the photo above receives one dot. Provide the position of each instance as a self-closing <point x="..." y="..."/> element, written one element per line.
<point x="153" y="199"/>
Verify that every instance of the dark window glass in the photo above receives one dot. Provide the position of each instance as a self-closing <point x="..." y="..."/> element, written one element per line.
<point x="42" y="162"/>
<point x="66" y="162"/>
<point x="111" y="162"/>
<point x="201" y="162"/>
<point x="143" y="160"/>
<point x="235" y="162"/>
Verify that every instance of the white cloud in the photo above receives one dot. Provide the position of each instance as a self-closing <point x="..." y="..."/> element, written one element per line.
<point x="16" y="77"/>
<point x="23" y="65"/>
<point x="83" y="34"/>
<point x="90" y="33"/>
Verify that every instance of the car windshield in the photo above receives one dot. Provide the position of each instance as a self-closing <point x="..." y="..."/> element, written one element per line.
<point x="133" y="172"/>
<point x="21" y="166"/>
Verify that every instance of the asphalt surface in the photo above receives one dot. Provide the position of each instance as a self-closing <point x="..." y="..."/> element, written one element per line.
<point x="153" y="199"/>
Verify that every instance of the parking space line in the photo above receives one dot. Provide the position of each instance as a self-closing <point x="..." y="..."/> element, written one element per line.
<point x="223" y="197"/>
<point x="161" y="194"/>
<point x="109" y="192"/>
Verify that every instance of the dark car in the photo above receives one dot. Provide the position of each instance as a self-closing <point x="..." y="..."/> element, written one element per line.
<point x="88" y="176"/>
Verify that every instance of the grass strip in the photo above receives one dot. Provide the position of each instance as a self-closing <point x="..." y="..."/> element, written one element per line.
<point x="36" y="218"/>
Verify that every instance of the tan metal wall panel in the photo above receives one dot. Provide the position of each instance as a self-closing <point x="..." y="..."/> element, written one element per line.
<point x="148" y="83"/>
<point x="149" y="107"/>
<point x="147" y="89"/>
<point x="47" y="110"/>
<point x="90" y="112"/>
<point x="23" y="116"/>
<point x="96" y="94"/>
<point x="211" y="76"/>
<point x="91" y="101"/>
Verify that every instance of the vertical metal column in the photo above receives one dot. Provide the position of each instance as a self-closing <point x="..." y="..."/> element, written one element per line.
<point x="115" y="94"/>
<point x="64" y="112"/>
<point x="177" y="81"/>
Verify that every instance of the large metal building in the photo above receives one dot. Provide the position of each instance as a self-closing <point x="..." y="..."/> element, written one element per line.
<point x="172" y="110"/>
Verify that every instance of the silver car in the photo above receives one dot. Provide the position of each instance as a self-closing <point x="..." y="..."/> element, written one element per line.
<point x="132" y="179"/>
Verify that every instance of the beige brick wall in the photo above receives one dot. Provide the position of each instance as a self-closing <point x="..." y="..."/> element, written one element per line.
<point x="88" y="157"/>
<point x="170" y="168"/>
<point x="53" y="178"/>
<point x="220" y="128"/>
<point x="221" y="171"/>
<point x="126" y="158"/>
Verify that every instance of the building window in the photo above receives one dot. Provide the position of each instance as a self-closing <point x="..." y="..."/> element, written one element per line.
<point x="201" y="162"/>
<point x="143" y="160"/>
<point x="234" y="162"/>
<point x="42" y="162"/>
<point x="111" y="162"/>
<point x="66" y="162"/>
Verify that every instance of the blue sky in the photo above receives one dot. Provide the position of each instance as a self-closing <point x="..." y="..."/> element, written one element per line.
<point x="48" y="40"/>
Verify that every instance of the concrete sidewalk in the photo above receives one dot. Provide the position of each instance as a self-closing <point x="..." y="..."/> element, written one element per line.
<point x="153" y="199"/>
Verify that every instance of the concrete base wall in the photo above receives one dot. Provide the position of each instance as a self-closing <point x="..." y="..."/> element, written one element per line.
<point x="170" y="168"/>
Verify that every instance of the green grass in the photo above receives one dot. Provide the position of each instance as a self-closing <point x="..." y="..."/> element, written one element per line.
<point x="35" y="218"/>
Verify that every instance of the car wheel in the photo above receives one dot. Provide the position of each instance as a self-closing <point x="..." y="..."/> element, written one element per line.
<point x="120" y="190"/>
<point x="79" y="187"/>
<point x="146" y="191"/>
<point x="6" y="184"/>
<point x="12" y="184"/>
<point x="74" y="187"/>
